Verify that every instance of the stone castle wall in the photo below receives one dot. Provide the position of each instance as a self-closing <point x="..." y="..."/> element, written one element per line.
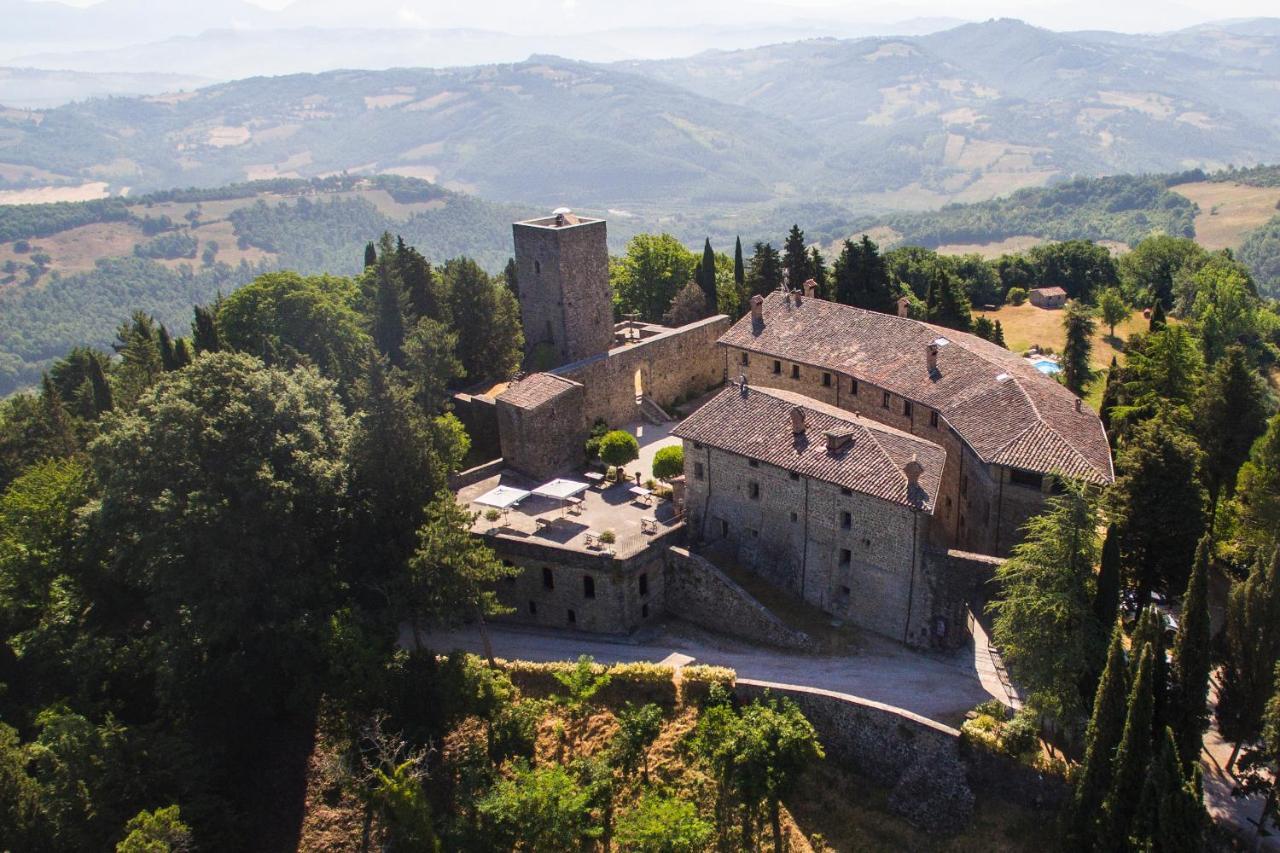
<point x="698" y="591"/>
<point x="793" y="533"/>
<point x="564" y="287"/>
<point x="978" y="507"/>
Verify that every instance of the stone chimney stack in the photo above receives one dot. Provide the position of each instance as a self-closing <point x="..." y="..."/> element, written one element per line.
<point x="1079" y="404"/>
<point x="904" y="307"/>
<point x="757" y="309"/>
<point x="913" y="469"/>
<point x="931" y="356"/>
<point x="797" y="420"/>
<point x="810" y="288"/>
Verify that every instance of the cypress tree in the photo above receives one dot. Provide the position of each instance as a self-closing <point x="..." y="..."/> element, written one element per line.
<point x="1106" y="726"/>
<point x="997" y="336"/>
<point x="795" y="258"/>
<point x="1158" y="320"/>
<point x="1106" y="597"/>
<point x="182" y="352"/>
<point x="388" y="317"/>
<point x="1149" y="631"/>
<point x="818" y="271"/>
<point x="1132" y="757"/>
<point x="57" y="422"/>
<point x="204" y="329"/>
<point x="421" y="296"/>
<point x="1230" y="413"/>
<point x="707" y="278"/>
<point x="1075" y="353"/>
<point x="1110" y="396"/>
<point x="511" y="276"/>
<point x="1170" y="817"/>
<point x="1192" y="659"/>
<point x="1250" y="652"/>
<point x="101" y="387"/>
<point x="739" y="269"/>
<point x="370" y="254"/>
<point x="168" y="355"/>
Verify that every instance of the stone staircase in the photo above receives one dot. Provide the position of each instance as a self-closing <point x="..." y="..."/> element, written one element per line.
<point x="652" y="412"/>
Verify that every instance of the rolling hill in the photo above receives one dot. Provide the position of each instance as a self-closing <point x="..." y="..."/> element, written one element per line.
<point x="868" y="124"/>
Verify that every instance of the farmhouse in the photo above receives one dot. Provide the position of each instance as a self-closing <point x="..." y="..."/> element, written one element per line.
<point x="873" y="465"/>
<point x="1048" y="297"/>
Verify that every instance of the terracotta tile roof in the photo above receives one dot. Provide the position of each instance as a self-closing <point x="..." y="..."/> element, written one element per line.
<point x="536" y="389"/>
<point x="756" y="422"/>
<point x="1006" y="410"/>
<point x="1050" y="291"/>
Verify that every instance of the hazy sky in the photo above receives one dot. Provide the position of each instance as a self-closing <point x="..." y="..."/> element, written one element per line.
<point x="1128" y="15"/>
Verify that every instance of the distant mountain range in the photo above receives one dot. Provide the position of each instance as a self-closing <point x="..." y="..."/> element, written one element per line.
<point x="855" y="125"/>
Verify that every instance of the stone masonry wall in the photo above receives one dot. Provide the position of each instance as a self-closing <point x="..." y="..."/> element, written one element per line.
<point x="564" y="287"/>
<point x="918" y="759"/>
<point x="970" y="513"/>
<point x="854" y="556"/>
<point x="683" y="362"/>
<point x="696" y="590"/>
<point x="543" y="441"/>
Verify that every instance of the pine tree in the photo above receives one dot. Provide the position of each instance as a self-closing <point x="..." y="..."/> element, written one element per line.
<point x="795" y="258"/>
<point x="370" y="254"/>
<point x="1192" y="659"/>
<point x="168" y="355"/>
<point x="102" y="401"/>
<point x="707" y="278"/>
<point x="997" y="336"/>
<point x="1133" y="754"/>
<point x="204" y="328"/>
<point x="1230" y="413"/>
<point x="1158" y="320"/>
<point x="1111" y="396"/>
<point x="1079" y="325"/>
<point x="388" y="316"/>
<point x="182" y="353"/>
<point x="57" y="423"/>
<point x="765" y="275"/>
<point x="946" y="303"/>
<point x="739" y="271"/>
<point x="1106" y="726"/>
<point x="421" y="293"/>
<point x="1251" y="649"/>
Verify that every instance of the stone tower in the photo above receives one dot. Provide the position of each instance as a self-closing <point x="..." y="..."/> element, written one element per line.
<point x="562" y="266"/>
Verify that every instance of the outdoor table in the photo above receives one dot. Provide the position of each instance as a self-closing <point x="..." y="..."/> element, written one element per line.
<point x="642" y="493"/>
<point x="595" y="478"/>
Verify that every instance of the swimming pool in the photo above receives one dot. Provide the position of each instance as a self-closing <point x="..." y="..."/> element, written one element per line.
<point x="1046" y="366"/>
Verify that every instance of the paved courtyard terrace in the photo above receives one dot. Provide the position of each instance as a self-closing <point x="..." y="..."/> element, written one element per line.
<point x="635" y="521"/>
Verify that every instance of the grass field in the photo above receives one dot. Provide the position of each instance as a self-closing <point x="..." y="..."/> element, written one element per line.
<point x="1229" y="211"/>
<point x="1026" y="326"/>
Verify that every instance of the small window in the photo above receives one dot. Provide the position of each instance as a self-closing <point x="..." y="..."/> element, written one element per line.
<point x="795" y="371"/>
<point x="846" y="521"/>
<point x="644" y="611"/>
<point x="846" y="556"/>
<point x="884" y="400"/>
<point x="588" y="586"/>
<point x="573" y="617"/>
<point x="866" y="543"/>
<point x="755" y="534"/>
<point x="777" y="366"/>
<point x="537" y="268"/>
<point x="644" y="583"/>
<point x="746" y="359"/>
<point x="753" y="490"/>
<point x="826" y="380"/>
<point x="548" y="579"/>
<point x="853" y="387"/>
<point x="846" y="492"/>
<point x="795" y="475"/>
<point x="906" y="408"/>
<point x="933" y="419"/>
<point x="845" y="591"/>
<point x="754" y="463"/>
<point x="533" y="607"/>
<point x="697" y="445"/>
<point x="697" y="471"/>
<point x="724" y="527"/>
<point x="795" y="517"/>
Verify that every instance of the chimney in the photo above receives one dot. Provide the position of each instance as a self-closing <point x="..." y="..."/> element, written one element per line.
<point x="798" y="298"/>
<point x="1079" y="404"/>
<point x="913" y="469"/>
<point x="810" y="288"/>
<point x="797" y="420"/>
<point x="757" y="309"/>
<point x="931" y="356"/>
<point x="838" y="440"/>
<point x="904" y="307"/>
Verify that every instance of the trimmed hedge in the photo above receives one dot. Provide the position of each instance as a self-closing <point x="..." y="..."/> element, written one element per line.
<point x="629" y="682"/>
<point x="696" y="681"/>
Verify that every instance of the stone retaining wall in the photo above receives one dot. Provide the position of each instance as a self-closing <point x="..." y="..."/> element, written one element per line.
<point x="696" y="590"/>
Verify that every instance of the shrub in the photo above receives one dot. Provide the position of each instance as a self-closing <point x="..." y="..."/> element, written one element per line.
<point x="1021" y="734"/>
<point x="608" y="537"/>
<point x="668" y="462"/>
<point x="696" y="681"/>
<point x="1016" y="296"/>
<point x="491" y="515"/>
<point x="598" y="431"/>
<point x="634" y="682"/>
<point x="618" y="447"/>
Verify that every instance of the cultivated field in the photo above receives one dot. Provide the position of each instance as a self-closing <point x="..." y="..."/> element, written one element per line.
<point x="1228" y="212"/>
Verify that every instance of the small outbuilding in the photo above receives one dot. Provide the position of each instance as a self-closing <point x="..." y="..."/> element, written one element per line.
<point x="1048" y="297"/>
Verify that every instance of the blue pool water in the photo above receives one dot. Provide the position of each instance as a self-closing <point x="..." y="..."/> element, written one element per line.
<point x="1044" y="365"/>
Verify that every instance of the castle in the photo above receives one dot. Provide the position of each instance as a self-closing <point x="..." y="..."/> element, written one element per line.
<point x="874" y="465"/>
